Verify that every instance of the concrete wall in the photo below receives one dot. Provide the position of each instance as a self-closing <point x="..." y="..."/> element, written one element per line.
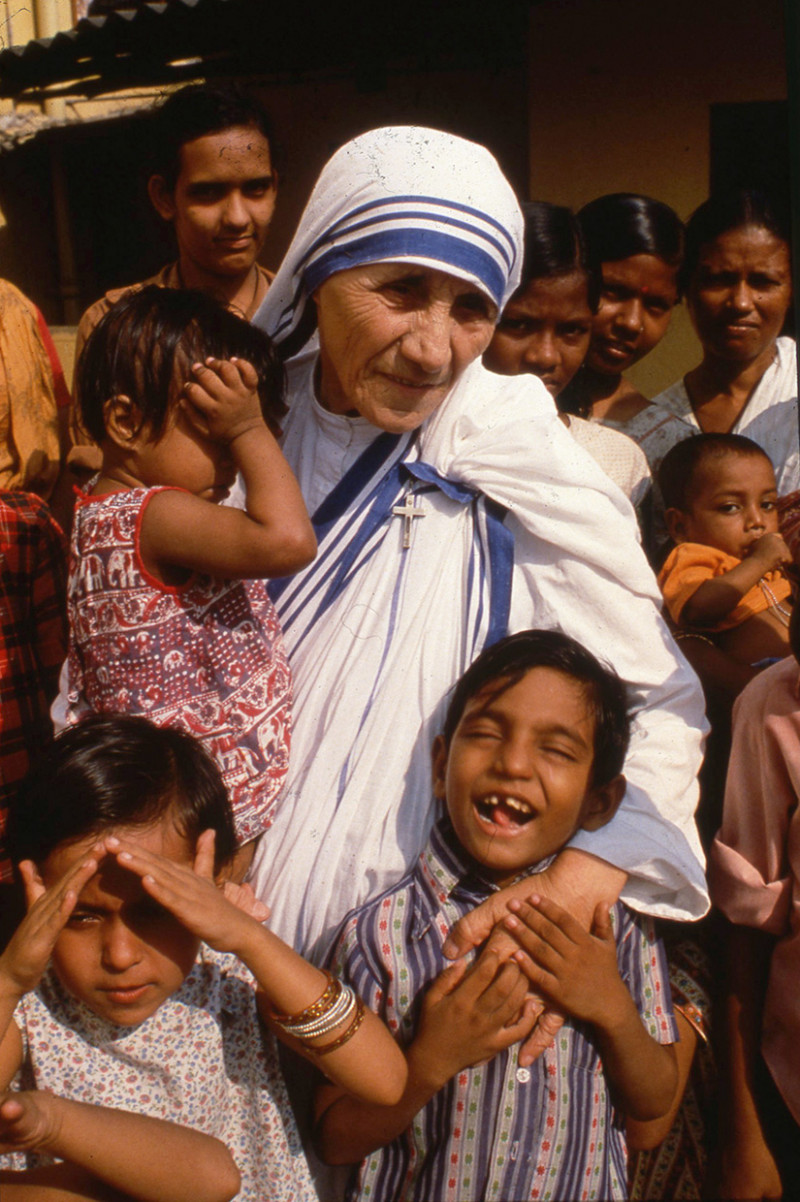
<point x="619" y="97"/>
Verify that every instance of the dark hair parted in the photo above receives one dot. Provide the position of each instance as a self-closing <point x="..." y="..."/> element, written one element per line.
<point x="112" y="770"/>
<point x="506" y="662"/>
<point x="554" y="247"/>
<point x="624" y="224"/>
<point x="196" y="111"/>
<point x="732" y="210"/>
<point x="678" y="471"/>
<point x="149" y="336"/>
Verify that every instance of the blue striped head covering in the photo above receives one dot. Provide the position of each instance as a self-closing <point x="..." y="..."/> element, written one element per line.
<point x="402" y="193"/>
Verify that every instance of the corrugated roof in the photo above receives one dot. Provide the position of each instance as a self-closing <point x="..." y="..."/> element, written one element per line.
<point x="123" y="48"/>
<point x="160" y="43"/>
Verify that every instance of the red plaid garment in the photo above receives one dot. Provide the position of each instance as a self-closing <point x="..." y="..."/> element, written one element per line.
<point x="33" y="639"/>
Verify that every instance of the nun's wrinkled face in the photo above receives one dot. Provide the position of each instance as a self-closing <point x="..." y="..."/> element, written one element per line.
<point x="394" y="338"/>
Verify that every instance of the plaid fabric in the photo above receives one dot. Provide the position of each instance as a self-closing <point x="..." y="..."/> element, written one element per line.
<point x="33" y="639"/>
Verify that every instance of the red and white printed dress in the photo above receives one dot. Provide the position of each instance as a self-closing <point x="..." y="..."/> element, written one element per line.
<point x="206" y="656"/>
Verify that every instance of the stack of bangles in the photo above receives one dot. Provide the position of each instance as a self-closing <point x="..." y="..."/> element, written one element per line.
<point x="335" y="1006"/>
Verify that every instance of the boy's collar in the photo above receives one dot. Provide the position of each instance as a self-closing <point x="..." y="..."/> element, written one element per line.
<point x="451" y="875"/>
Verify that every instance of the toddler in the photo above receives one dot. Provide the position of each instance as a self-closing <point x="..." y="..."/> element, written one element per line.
<point x="131" y="994"/>
<point x="532" y="750"/>
<point x="169" y="616"/>
<point x="724" y="577"/>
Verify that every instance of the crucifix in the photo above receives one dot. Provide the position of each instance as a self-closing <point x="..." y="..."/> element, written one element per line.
<point x="408" y="511"/>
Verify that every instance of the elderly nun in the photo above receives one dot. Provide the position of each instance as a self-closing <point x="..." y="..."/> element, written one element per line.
<point x="451" y="507"/>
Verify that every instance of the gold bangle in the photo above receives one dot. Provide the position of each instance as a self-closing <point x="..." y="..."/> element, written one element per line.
<point x="315" y="1010"/>
<point x="358" y="1018"/>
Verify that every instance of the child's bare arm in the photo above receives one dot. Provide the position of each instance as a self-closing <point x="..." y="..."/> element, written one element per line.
<point x="146" y="1158"/>
<point x="60" y="1182"/>
<point x="578" y="972"/>
<point x="467" y="1017"/>
<point x="715" y="598"/>
<point x="369" y="1063"/>
<point x="274" y="535"/>
<point x="641" y="1136"/>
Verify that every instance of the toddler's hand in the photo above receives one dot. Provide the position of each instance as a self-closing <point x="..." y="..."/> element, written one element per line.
<point x="211" y="913"/>
<point x="771" y="552"/>
<point x="221" y="400"/>
<point x="28" y="1121"/>
<point x="28" y="953"/>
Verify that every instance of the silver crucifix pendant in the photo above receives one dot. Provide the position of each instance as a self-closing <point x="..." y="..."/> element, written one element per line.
<point x="408" y="511"/>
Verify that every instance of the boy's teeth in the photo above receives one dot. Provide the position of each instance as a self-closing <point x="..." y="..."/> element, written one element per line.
<point x="513" y="803"/>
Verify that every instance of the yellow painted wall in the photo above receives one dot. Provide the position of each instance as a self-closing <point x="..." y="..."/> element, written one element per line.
<point x="619" y="94"/>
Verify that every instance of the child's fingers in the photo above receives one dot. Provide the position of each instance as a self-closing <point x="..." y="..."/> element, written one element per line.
<point x="32" y="882"/>
<point x="247" y="373"/>
<point x="197" y="406"/>
<point x="11" y="1108"/>
<point x="446" y="982"/>
<point x="243" y="897"/>
<point x="537" y="939"/>
<point x="537" y="973"/>
<point x="520" y="1025"/>
<point x="204" y="854"/>
<point x="506" y="995"/>
<point x="217" y="376"/>
<point x="548" y="920"/>
<point x="61" y="897"/>
<point x="181" y="879"/>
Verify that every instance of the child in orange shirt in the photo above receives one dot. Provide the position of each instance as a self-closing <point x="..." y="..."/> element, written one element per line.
<point x="725" y="575"/>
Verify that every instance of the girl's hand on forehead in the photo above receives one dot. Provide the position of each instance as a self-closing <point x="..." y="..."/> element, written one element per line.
<point x="213" y="914"/>
<point x="221" y="399"/>
<point x="28" y="954"/>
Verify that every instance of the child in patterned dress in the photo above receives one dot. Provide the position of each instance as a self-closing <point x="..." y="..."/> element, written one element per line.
<point x="169" y="613"/>
<point x="533" y="745"/>
<point x="133" y="992"/>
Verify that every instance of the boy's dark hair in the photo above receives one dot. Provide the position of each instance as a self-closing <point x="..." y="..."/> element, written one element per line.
<point x="114" y="770"/>
<point x="732" y="210"/>
<point x="132" y="352"/>
<point x="680" y="466"/>
<point x="554" y="247"/>
<point x="196" y="111"/>
<point x="507" y="661"/>
<point x="624" y="224"/>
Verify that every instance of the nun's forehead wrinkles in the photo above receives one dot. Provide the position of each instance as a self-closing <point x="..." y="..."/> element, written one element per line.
<point x="400" y="194"/>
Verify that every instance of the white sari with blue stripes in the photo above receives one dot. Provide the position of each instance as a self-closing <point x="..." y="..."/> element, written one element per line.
<point x="520" y="528"/>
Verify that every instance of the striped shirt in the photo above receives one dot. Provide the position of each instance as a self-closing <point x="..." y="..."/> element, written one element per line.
<point x="496" y="1131"/>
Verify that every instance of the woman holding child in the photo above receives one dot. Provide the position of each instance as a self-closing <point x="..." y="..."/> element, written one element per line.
<point x="447" y="508"/>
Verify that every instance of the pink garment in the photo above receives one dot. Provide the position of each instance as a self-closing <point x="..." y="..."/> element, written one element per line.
<point x="754" y="870"/>
<point x="206" y="657"/>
